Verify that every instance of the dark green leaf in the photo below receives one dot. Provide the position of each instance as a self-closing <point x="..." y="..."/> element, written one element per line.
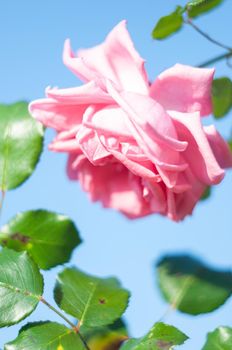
<point x="220" y="339"/>
<point x="198" y="7"/>
<point x="222" y="96"/>
<point x="21" y="141"/>
<point x="206" y="193"/>
<point x="191" y="286"/>
<point x="160" y="337"/>
<point x="93" y="301"/>
<point x="45" y="336"/>
<point x="107" y="337"/>
<point x="168" y="25"/>
<point x="21" y="286"/>
<point x="49" y="237"/>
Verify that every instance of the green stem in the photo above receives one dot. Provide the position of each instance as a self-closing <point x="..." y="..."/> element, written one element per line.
<point x="74" y="327"/>
<point x="215" y="59"/>
<point x="207" y="36"/>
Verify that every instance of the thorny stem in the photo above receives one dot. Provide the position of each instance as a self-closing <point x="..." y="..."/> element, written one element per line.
<point x="74" y="327"/>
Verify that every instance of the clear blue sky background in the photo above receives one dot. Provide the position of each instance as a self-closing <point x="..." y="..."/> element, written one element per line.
<point x="31" y="38"/>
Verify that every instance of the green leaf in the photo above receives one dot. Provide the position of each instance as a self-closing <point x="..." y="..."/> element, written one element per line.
<point x="21" y="286"/>
<point x="107" y="337"/>
<point x="45" y="336"/>
<point x="21" y="142"/>
<point x="220" y="339"/>
<point x="168" y="25"/>
<point x="48" y="237"/>
<point x="93" y="301"/>
<point x="198" y="7"/>
<point x="221" y="96"/>
<point x="191" y="286"/>
<point x="160" y="337"/>
<point x="206" y="193"/>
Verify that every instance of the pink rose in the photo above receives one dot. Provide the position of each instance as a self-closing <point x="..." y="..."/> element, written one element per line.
<point x="137" y="147"/>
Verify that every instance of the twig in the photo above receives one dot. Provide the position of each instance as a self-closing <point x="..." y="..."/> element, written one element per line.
<point x="74" y="327"/>
<point x="216" y="59"/>
<point x="207" y="36"/>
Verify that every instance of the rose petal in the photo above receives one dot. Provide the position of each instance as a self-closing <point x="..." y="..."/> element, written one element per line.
<point x="115" y="187"/>
<point x="110" y="121"/>
<point x="198" y="154"/>
<point x="186" y="201"/>
<point x="154" y="132"/>
<point x="184" y="89"/>
<point x="115" y="59"/>
<point x="155" y="196"/>
<point x="57" y="115"/>
<point x="89" y="93"/>
<point x="143" y="169"/>
<point x="219" y="146"/>
<point x="76" y="64"/>
<point x="91" y="146"/>
<point x="74" y="160"/>
<point x="64" y="146"/>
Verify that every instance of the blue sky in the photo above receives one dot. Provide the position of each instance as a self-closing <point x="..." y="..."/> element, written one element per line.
<point x="31" y="37"/>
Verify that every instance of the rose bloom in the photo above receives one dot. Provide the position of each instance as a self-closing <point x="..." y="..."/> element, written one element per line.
<point x="137" y="147"/>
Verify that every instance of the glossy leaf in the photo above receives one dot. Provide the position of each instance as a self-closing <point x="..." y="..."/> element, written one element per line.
<point x="168" y="25"/>
<point x="191" y="286"/>
<point x="198" y="7"/>
<point x="45" y="336"/>
<point x="21" y="286"/>
<point x="160" y="337"/>
<point x="106" y="338"/>
<point x="93" y="301"/>
<point x="48" y="237"/>
<point x="220" y="339"/>
<point x="221" y="96"/>
<point x="21" y="141"/>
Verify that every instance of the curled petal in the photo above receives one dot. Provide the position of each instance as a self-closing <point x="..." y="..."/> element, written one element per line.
<point x="142" y="169"/>
<point x="184" y="89"/>
<point x="115" y="59"/>
<point x="68" y="134"/>
<point x="64" y="146"/>
<point x="89" y="93"/>
<point x="57" y="115"/>
<point x="198" y="154"/>
<point x="76" y="64"/>
<point x="219" y="146"/>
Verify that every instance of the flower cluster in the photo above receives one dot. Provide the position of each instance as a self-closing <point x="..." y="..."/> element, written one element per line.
<point x="137" y="147"/>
